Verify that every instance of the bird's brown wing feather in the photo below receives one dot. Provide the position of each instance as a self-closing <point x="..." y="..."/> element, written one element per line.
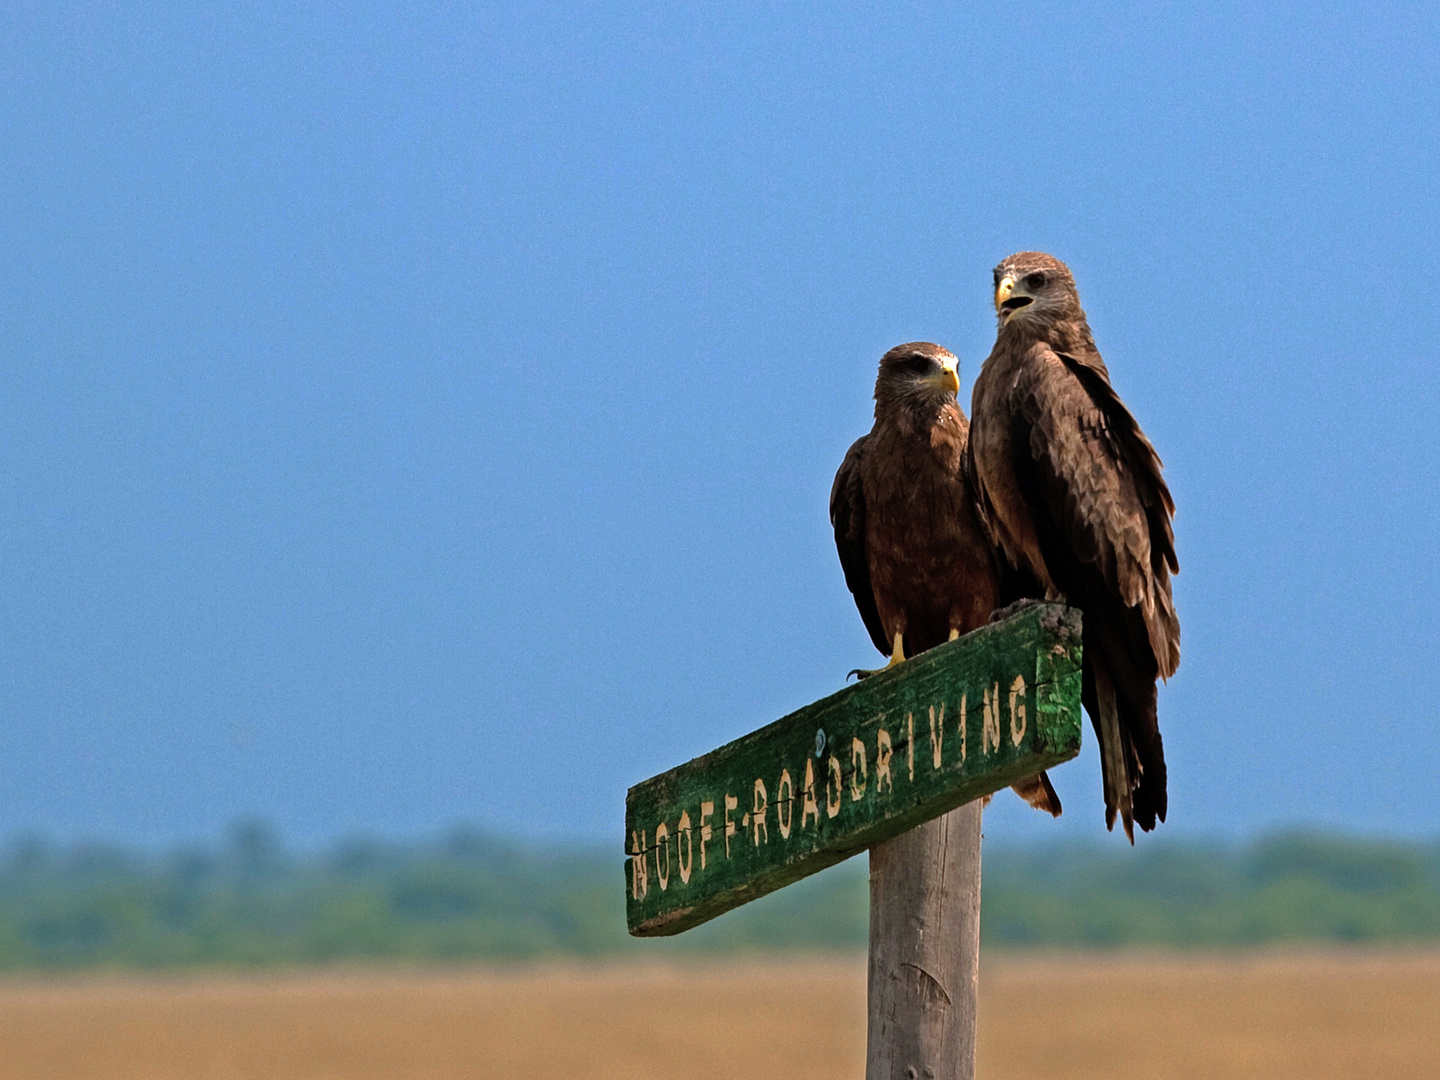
<point x="847" y="515"/>
<point x="1101" y="513"/>
<point x="1141" y="468"/>
<point x="1101" y="481"/>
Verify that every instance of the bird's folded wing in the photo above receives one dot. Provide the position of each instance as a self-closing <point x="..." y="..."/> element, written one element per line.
<point x="1101" y="481"/>
<point x="847" y="515"/>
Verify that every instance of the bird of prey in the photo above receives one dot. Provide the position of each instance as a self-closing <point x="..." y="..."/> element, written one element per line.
<point x="1070" y="491"/>
<point x="921" y="568"/>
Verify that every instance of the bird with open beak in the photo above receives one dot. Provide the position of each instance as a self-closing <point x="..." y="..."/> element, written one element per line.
<point x="1071" y="493"/>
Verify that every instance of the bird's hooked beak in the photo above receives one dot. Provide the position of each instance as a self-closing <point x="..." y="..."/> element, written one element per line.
<point x="1010" y="297"/>
<point x="948" y="377"/>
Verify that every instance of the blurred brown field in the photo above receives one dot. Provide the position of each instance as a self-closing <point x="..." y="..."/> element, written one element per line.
<point x="1275" y="1016"/>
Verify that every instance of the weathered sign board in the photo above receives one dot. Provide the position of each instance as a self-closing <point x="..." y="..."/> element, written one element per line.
<point x="860" y="766"/>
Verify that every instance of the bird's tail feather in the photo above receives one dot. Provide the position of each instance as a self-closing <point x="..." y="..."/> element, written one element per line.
<point x="1038" y="792"/>
<point x="1115" y="754"/>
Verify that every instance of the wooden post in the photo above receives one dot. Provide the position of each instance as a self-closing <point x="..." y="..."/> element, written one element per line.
<point x="925" y="950"/>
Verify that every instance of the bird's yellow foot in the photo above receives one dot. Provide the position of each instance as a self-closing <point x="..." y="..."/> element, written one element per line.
<point x="897" y="656"/>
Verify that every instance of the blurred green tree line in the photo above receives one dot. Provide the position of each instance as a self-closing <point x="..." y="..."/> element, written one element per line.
<point x="250" y="901"/>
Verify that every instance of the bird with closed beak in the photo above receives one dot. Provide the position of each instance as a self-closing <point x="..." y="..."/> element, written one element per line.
<point x="914" y="554"/>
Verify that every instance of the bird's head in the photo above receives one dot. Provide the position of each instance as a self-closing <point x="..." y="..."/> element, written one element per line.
<point x="918" y="372"/>
<point x="1035" y="291"/>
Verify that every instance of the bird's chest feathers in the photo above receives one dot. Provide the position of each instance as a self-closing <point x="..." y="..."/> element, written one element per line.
<point x="921" y="445"/>
<point x="917" y="487"/>
<point x="1007" y="507"/>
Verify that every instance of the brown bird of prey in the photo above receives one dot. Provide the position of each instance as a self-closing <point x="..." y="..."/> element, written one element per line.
<point x="914" y="554"/>
<point x="1070" y="491"/>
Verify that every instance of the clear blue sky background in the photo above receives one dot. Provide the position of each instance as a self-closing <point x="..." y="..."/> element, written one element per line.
<point x="412" y="414"/>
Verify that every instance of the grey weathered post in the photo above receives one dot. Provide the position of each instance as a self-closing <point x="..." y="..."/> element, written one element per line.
<point x="925" y="950"/>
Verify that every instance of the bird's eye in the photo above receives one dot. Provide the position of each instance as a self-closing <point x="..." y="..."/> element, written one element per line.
<point x="917" y="365"/>
<point x="1035" y="281"/>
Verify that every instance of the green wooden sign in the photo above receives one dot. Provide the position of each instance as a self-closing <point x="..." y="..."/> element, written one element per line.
<point x="860" y="766"/>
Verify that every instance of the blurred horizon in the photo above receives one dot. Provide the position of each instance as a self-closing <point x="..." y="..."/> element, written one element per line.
<point x="411" y="413"/>
<point x="247" y="899"/>
<point x="267" y="833"/>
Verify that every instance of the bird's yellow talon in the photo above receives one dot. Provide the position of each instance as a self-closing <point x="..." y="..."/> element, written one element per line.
<point x="897" y="655"/>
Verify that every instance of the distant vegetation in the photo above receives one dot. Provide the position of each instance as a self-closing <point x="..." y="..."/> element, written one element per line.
<point x="470" y="896"/>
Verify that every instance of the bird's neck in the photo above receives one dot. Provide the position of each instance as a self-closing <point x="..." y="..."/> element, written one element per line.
<point x="1070" y="335"/>
<point x="928" y="427"/>
<point x="912" y="412"/>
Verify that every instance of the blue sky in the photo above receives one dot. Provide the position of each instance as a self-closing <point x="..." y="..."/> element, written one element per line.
<point x="412" y="414"/>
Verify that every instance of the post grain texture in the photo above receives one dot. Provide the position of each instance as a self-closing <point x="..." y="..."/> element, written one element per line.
<point x="925" y="950"/>
<point x="854" y="769"/>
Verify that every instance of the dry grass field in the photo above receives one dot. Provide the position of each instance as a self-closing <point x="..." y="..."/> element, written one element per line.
<point x="1276" y="1017"/>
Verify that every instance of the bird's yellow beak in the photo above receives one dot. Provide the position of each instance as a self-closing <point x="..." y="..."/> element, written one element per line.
<point x="948" y="377"/>
<point x="1003" y="291"/>
<point x="1010" y="297"/>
